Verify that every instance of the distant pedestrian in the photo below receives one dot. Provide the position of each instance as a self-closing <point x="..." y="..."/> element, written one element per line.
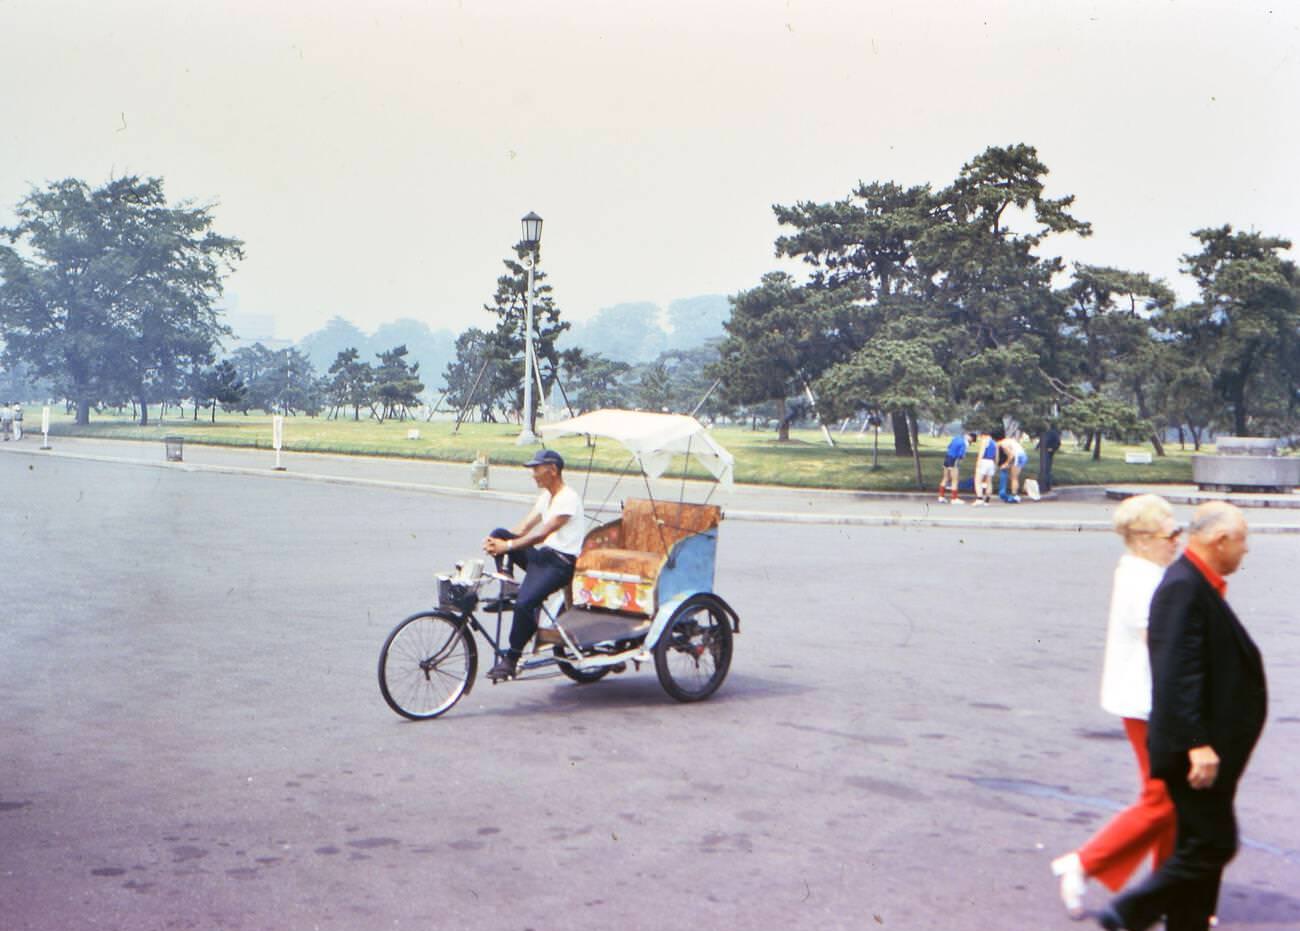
<point x="1048" y="444"/>
<point x="1146" y="522"/>
<point x="1208" y="705"/>
<point x="1011" y="460"/>
<point x="18" y="421"/>
<point x="952" y="465"/>
<point x="6" y="421"/>
<point x="985" y="467"/>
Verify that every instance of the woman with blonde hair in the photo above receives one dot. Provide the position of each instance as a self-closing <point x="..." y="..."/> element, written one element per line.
<point x="1146" y="522"/>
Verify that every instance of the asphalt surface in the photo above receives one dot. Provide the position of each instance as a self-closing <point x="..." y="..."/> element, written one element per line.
<point x="193" y="737"/>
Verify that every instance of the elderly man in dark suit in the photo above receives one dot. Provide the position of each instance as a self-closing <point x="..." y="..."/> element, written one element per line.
<point x="1208" y="703"/>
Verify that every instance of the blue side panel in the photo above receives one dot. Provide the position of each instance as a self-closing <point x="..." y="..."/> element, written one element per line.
<point x="662" y="616"/>
<point x="690" y="567"/>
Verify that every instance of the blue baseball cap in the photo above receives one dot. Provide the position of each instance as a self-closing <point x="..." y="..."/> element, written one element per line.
<point x="546" y="457"/>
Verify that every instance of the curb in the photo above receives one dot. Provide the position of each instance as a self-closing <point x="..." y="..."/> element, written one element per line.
<point x="900" y="520"/>
<point x="1240" y="499"/>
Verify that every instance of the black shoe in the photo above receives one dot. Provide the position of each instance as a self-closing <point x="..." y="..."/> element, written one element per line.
<point x="507" y="667"/>
<point x="1109" y="919"/>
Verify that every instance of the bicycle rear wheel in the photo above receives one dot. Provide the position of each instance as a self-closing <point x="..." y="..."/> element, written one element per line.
<point x="427" y="663"/>
<point x="694" y="651"/>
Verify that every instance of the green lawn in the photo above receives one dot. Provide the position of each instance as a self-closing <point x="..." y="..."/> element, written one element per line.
<point x="805" y="460"/>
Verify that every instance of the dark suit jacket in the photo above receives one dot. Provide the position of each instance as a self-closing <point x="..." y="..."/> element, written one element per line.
<point x="1207" y="678"/>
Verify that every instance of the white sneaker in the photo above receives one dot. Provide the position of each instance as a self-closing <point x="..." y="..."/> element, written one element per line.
<point x="943" y="500"/>
<point x="1073" y="883"/>
<point x="958" y="501"/>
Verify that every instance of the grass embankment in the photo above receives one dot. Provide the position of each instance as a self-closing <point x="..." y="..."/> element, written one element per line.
<point x="804" y="461"/>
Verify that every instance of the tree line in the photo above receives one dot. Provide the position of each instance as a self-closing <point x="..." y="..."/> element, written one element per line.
<point x="107" y="299"/>
<point x="939" y="304"/>
<point x="918" y="303"/>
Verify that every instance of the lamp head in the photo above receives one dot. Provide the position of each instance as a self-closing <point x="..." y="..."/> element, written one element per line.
<point x="532" y="225"/>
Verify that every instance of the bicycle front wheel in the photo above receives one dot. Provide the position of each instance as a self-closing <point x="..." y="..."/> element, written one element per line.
<point x="427" y="663"/>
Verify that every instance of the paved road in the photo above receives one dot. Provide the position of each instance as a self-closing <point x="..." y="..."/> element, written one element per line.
<point x="1070" y="510"/>
<point x="192" y="736"/>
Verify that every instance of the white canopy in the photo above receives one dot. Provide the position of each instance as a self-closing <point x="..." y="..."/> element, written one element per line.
<point x="654" y="439"/>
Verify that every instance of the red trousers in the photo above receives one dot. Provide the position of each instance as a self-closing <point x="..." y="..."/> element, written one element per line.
<point x="1116" y="851"/>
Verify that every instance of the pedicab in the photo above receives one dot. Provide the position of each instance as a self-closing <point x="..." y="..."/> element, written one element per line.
<point x="642" y="590"/>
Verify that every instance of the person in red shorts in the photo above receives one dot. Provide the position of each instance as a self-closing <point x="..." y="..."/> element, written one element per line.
<point x="952" y="464"/>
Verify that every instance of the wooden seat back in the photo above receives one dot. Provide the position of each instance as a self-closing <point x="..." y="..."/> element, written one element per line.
<point x="654" y="526"/>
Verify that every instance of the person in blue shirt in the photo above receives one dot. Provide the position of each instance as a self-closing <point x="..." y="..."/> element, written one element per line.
<point x="985" y="468"/>
<point x="956" y="453"/>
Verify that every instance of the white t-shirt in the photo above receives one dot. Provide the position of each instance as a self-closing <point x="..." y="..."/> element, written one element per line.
<point x="568" y="539"/>
<point x="1126" y="675"/>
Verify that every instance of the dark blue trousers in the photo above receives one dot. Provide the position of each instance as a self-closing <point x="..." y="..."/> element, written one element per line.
<point x="545" y="571"/>
<point x="1045" y="478"/>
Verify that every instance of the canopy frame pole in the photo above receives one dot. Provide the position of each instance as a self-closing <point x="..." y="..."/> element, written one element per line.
<point x="586" y="479"/>
<point x="612" y="488"/>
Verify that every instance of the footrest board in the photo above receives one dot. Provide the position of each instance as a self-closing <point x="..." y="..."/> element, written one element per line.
<point x="588" y="628"/>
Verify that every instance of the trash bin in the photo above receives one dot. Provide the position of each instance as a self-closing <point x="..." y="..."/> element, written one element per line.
<point x="175" y="448"/>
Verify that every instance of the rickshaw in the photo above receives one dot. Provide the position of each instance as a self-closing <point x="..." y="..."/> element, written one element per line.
<point x="642" y="589"/>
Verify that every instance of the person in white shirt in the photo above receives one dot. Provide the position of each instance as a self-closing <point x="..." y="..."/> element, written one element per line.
<point x="1148" y="825"/>
<point x="1016" y="458"/>
<point x="545" y="544"/>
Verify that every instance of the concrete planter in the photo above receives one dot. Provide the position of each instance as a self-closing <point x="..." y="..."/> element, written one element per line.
<point x="1246" y="463"/>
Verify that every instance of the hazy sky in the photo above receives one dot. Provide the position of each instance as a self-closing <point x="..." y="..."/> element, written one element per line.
<point x="376" y="156"/>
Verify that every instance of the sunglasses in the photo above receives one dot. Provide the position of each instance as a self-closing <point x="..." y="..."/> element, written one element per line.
<point x="1171" y="536"/>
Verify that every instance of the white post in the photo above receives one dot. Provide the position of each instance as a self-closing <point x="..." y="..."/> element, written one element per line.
<point x="277" y="438"/>
<point x="526" y="436"/>
<point x="45" y="427"/>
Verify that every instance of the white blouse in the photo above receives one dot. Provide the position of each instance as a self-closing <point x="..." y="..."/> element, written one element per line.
<point x="1126" y="674"/>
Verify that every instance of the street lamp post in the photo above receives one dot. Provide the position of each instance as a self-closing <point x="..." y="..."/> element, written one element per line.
<point x="532" y="225"/>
